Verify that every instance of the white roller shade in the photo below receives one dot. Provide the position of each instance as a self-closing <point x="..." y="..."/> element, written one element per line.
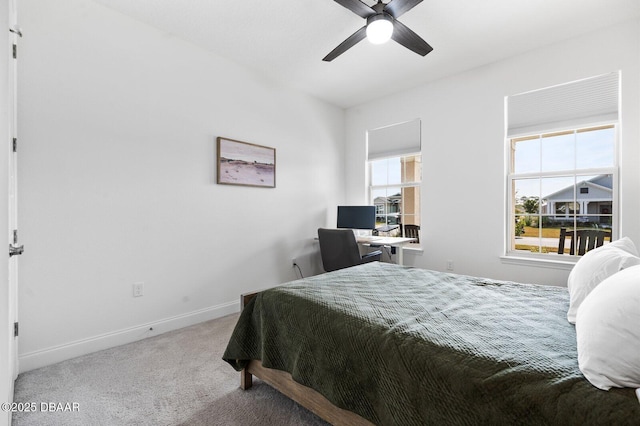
<point x="576" y="104"/>
<point x="394" y="141"/>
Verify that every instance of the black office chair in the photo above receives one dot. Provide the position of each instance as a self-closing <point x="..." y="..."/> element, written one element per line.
<point x="339" y="250"/>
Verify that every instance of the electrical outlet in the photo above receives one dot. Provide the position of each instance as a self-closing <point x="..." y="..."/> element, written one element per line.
<point x="138" y="289"/>
<point x="449" y="265"/>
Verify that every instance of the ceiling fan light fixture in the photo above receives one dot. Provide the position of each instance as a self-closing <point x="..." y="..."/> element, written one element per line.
<point x="382" y="25"/>
<point x="379" y="28"/>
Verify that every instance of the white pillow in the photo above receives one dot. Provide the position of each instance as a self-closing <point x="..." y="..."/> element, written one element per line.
<point x="595" y="266"/>
<point x="608" y="332"/>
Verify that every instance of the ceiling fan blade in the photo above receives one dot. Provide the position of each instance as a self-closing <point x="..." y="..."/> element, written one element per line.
<point x="357" y="7"/>
<point x="351" y="41"/>
<point x="412" y="41"/>
<point x="396" y="8"/>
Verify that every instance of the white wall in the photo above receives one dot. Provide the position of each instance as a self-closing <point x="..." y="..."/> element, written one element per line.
<point x="118" y="124"/>
<point x="6" y="375"/>
<point x="463" y="191"/>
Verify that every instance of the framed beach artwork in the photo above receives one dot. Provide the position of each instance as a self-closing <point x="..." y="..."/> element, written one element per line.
<point x="242" y="163"/>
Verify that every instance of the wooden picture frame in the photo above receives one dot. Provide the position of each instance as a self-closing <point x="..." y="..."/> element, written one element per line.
<point x="245" y="164"/>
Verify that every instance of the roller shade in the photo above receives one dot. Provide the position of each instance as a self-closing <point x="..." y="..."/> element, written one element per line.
<point x="576" y="104"/>
<point x="394" y="141"/>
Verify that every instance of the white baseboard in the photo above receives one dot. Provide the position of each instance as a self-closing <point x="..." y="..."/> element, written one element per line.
<point x="55" y="354"/>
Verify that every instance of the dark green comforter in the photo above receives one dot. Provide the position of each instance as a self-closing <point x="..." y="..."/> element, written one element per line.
<point x="405" y="346"/>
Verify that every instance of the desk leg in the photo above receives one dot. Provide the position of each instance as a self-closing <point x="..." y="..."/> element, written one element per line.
<point x="399" y="251"/>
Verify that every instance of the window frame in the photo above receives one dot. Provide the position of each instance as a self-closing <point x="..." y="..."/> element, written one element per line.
<point x="511" y="177"/>
<point x="401" y="185"/>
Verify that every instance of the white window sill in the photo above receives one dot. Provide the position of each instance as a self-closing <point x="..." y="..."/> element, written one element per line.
<point x="539" y="262"/>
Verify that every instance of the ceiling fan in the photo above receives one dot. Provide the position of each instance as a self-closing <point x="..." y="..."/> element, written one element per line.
<point x="382" y="24"/>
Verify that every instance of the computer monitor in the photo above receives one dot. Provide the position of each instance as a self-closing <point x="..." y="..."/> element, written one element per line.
<point x="357" y="217"/>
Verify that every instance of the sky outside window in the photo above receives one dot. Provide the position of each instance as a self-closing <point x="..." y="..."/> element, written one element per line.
<point x="385" y="171"/>
<point x="591" y="148"/>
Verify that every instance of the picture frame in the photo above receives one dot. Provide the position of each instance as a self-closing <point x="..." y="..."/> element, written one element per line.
<point x="245" y="164"/>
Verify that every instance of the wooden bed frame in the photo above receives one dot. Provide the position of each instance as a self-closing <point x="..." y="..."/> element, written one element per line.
<point x="303" y="395"/>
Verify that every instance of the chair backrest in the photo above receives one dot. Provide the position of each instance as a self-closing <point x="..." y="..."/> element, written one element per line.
<point x="582" y="240"/>
<point x="412" y="231"/>
<point x="338" y="249"/>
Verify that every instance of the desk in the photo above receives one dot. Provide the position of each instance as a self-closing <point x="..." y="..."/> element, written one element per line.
<point x="398" y="242"/>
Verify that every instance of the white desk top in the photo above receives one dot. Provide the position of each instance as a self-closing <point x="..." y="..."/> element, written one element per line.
<point x="384" y="241"/>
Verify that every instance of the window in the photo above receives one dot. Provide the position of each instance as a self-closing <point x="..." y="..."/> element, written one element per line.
<point x="395" y="173"/>
<point x="562" y="170"/>
<point x="560" y="180"/>
<point x="395" y="191"/>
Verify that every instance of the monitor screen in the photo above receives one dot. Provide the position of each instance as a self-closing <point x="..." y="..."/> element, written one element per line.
<point x="357" y="217"/>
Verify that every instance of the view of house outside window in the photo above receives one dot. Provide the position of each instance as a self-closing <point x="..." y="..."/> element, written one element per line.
<point x="561" y="180"/>
<point x="395" y="191"/>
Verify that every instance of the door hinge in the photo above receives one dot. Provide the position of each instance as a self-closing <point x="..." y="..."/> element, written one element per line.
<point x="15" y="51"/>
<point x="15" y="329"/>
<point x="15" y="144"/>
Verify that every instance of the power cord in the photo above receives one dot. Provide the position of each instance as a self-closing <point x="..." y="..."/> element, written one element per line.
<point x="299" y="270"/>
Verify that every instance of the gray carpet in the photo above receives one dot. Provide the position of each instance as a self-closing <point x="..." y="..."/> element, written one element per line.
<point x="177" y="378"/>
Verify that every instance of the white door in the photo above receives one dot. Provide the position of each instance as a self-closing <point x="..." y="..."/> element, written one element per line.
<point x="14" y="248"/>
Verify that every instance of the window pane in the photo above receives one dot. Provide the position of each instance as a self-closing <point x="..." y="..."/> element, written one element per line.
<point x="536" y="234"/>
<point x="526" y="229"/>
<point x="549" y="236"/>
<point x="379" y="172"/>
<point x="558" y="199"/>
<point x="412" y="169"/>
<point x="386" y="171"/>
<point x="594" y="194"/>
<point x="411" y="220"/>
<point x="597" y="206"/>
<point x="526" y="219"/>
<point x="379" y="198"/>
<point x="526" y="154"/>
<point x="411" y="205"/>
<point x="388" y="204"/>
<point x="527" y="196"/>
<point x="394" y="171"/>
<point x="558" y="152"/>
<point x="595" y="148"/>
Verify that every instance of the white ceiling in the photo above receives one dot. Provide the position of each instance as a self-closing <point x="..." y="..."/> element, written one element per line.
<point x="285" y="40"/>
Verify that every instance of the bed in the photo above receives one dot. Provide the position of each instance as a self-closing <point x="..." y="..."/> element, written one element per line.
<point x="390" y="345"/>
